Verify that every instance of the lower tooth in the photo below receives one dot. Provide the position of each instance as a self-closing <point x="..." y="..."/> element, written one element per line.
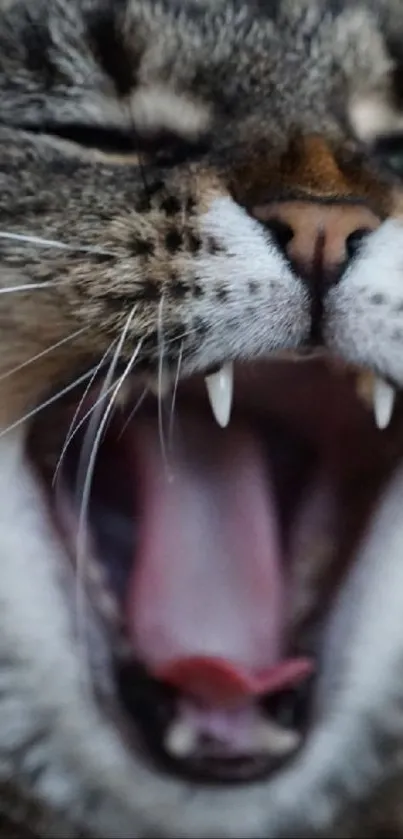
<point x="276" y="741"/>
<point x="180" y="740"/>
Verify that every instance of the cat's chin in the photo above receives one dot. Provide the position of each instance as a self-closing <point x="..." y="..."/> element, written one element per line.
<point x="211" y="556"/>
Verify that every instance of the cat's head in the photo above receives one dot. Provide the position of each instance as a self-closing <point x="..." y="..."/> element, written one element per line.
<point x="200" y="201"/>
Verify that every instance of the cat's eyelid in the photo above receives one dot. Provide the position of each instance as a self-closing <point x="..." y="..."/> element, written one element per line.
<point x="123" y="144"/>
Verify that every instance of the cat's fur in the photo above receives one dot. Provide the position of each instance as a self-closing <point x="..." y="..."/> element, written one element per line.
<point x="262" y="77"/>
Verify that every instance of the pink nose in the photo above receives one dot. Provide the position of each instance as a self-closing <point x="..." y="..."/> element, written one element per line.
<point x="318" y="239"/>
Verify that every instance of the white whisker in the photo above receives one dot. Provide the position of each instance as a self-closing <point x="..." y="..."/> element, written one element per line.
<point x="48" y="402"/>
<point x="96" y="414"/>
<point x="133" y="412"/>
<point x="161" y="388"/>
<point x="73" y="428"/>
<point x="102" y="426"/>
<point x="27" y="287"/>
<point x="86" y="471"/>
<point x="181" y="337"/>
<point x="174" y="395"/>
<point x="53" y="243"/>
<point x="83" y="518"/>
<point x="43" y="353"/>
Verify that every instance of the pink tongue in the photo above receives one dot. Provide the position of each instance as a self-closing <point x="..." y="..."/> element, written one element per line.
<point x="206" y="608"/>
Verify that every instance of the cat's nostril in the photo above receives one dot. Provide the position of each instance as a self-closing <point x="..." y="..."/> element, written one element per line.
<point x="355" y="240"/>
<point x="281" y="232"/>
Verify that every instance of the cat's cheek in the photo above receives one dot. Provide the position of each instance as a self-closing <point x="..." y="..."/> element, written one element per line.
<point x="363" y="318"/>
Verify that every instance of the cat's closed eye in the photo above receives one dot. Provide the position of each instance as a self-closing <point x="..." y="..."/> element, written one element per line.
<point x="164" y="147"/>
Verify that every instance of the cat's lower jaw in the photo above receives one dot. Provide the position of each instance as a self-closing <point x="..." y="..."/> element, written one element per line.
<point x="70" y="757"/>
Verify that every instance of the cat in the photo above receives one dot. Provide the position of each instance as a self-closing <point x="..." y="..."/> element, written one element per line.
<point x="201" y="484"/>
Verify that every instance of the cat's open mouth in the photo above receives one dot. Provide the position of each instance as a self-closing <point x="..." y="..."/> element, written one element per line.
<point x="212" y="554"/>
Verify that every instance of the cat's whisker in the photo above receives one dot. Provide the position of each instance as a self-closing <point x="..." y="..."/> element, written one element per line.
<point x="81" y="551"/>
<point x="174" y="395"/>
<point x="27" y="287"/>
<point x="54" y="398"/>
<point x="28" y="239"/>
<point x="81" y="542"/>
<point x="133" y="412"/>
<point x="181" y="337"/>
<point x="74" y="428"/>
<point x="86" y="468"/>
<point x="43" y="353"/>
<point x="162" y="386"/>
<point x="96" y="414"/>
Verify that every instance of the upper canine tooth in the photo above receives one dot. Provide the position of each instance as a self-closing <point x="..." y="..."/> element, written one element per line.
<point x="384" y="401"/>
<point x="220" y="388"/>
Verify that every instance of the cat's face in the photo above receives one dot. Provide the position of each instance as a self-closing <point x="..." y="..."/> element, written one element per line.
<point x="201" y="618"/>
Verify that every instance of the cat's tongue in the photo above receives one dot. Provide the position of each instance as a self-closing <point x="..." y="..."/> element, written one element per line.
<point x="206" y="607"/>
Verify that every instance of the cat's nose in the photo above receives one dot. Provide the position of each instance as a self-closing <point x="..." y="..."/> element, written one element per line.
<point x="318" y="238"/>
